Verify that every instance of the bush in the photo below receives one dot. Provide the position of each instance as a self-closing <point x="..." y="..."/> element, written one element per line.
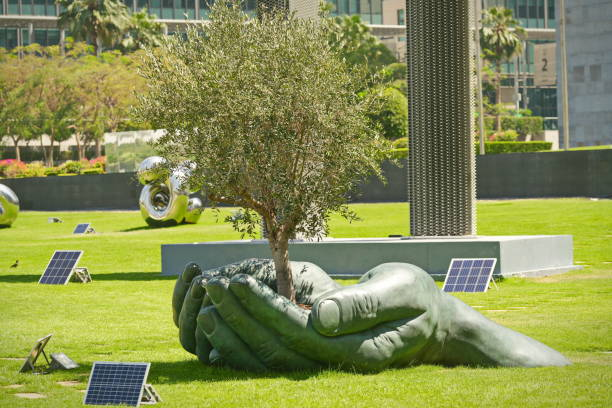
<point x="11" y="168"/>
<point x="401" y="143"/>
<point x="524" y="126"/>
<point x="392" y="114"/>
<point x="504" y="136"/>
<point x="401" y="85"/>
<point x="514" y="147"/>
<point x="395" y="71"/>
<point x="93" y="170"/>
<point x="35" y="169"/>
<point x="71" y="167"/>
<point x="99" y="162"/>
<point x="398" y="154"/>
<point x="51" y="171"/>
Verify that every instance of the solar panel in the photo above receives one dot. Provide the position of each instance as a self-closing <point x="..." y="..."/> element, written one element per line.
<point x="116" y="383"/>
<point x="469" y="275"/>
<point x="37" y="350"/>
<point x="60" y="267"/>
<point x="81" y="229"/>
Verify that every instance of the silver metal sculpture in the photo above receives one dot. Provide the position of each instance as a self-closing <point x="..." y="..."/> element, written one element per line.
<point x="165" y="200"/>
<point x="9" y="206"/>
<point x="441" y="163"/>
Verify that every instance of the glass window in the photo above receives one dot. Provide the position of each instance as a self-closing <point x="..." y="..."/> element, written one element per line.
<point x="354" y="7"/>
<point x="167" y="9"/>
<point x="143" y="4"/>
<point x="521" y="14"/>
<point x="40" y="7"/>
<point x="10" y="41"/>
<point x="401" y="17"/>
<point x="155" y="8"/>
<point x="25" y="37"/>
<point x="190" y="6"/>
<point x="552" y="19"/>
<point x="50" y="8"/>
<point x="53" y="36"/>
<point x="376" y="11"/>
<point x="40" y="37"/>
<point x="204" y="9"/>
<point x="13" y="6"/>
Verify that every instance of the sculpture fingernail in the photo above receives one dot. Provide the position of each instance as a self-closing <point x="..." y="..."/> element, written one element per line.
<point x="327" y="316"/>
<point x="215" y="292"/>
<point x="207" y="322"/>
<point x="197" y="291"/>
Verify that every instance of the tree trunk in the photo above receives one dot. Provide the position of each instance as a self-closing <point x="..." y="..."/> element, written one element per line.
<point x="77" y="138"/>
<point x="98" y="148"/>
<point x="51" y="151"/>
<point x="17" y="150"/>
<point x="45" y="155"/>
<point x="98" y="45"/>
<point x="498" y="99"/>
<point x="284" y="278"/>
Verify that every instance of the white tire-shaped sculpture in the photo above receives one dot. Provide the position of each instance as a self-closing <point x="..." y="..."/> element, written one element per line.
<point x="9" y="206"/>
<point x="164" y="199"/>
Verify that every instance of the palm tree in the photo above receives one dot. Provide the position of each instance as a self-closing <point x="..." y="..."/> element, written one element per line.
<point x="501" y="39"/>
<point x="143" y="32"/>
<point x="103" y="22"/>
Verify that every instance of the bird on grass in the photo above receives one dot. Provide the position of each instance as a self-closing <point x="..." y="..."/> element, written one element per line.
<point x="16" y="264"/>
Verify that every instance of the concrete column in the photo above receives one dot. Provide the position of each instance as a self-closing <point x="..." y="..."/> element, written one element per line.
<point x="441" y="162"/>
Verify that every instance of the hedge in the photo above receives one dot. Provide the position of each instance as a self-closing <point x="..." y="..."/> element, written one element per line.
<point x="491" y="148"/>
<point x="526" y="125"/>
<point x="513" y="147"/>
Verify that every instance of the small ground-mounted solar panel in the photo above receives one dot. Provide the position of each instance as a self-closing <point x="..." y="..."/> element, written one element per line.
<point x="37" y="350"/>
<point x="469" y="274"/>
<point x="82" y="229"/>
<point x="60" y="267"/>
<point x="116" y="383"/>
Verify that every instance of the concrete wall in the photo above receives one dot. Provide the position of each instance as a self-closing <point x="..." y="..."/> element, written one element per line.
<point x="115" y="191"/>
<point x="555" y="174"/>
<point x="519" y="175"/>
<point x="589" y="64"/>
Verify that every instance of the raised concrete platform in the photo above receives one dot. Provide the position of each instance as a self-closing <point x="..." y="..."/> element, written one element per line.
<point x="529" y="255"/>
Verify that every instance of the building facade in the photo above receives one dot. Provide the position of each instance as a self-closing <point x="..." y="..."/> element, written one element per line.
<point x="588" y="35"/>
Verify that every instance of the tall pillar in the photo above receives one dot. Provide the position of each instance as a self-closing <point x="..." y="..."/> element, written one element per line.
<point x="441" y="85"/>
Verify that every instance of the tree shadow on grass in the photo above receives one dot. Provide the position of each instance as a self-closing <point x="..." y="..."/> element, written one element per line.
<point x="175" y="372"/>
<point x="117" y="276"/>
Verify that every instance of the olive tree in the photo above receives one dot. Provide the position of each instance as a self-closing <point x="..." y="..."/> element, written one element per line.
<point x="270" y="117"/>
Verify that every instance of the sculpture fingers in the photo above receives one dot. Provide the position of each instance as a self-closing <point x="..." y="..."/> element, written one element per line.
<point x="388" y="292"/>
<point x="189" y="313"/>
<point x="263" y="342"/>
<point x="370" y="350"/>
<point x="226" y="343"/>
<point x="181" y="287"/>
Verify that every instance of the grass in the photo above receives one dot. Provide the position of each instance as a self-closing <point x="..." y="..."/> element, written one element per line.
<point x="125" y="315"/>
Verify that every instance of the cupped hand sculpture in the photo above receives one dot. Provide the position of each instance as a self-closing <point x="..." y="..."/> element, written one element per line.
<point x="396" y="316"/>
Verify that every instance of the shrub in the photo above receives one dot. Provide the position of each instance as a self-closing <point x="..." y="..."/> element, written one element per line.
<point x="99" y="162"/>
<point x="11" y="168"/>
<point x="401" y="85"/>
<point x="51" y="171"/>
<point x="392" y="114"/>
<point x="504" y="136"/>
<point x="395" y="71"/>
<point x="35" y="169"/>
<point x="71" y="167"/>
<point x="401" y="143"/>
<point x="514" y="147"/>
<point x="524" y="126"/>
<point x="398" y="154"/>
<point x="93" y="170"/>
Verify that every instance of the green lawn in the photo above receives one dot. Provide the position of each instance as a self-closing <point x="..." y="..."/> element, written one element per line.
<point x="125" y="315"/>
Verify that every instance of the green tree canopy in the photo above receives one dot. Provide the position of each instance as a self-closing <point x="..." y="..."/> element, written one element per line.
<point x="392" y="114"/>
<point x="352" y="39"/>
<point x="501" y="39"/>
<point x="271" y="118"/>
